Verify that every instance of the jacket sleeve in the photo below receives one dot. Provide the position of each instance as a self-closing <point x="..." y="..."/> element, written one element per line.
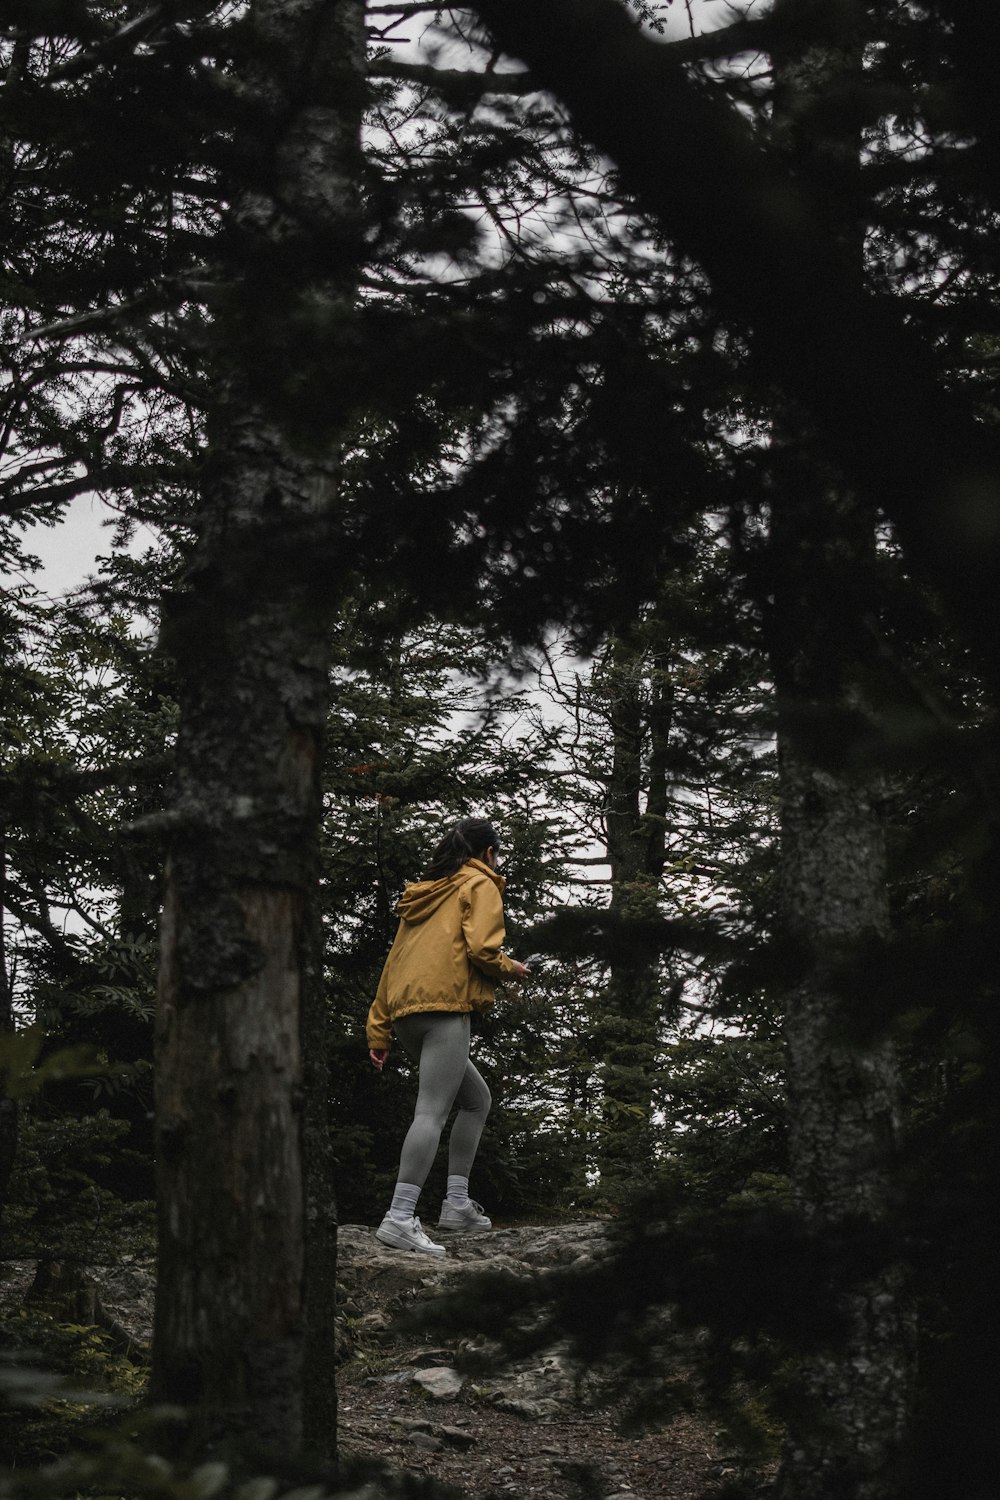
<point x="483" y="929"/>
<point x="379" y="1028"/>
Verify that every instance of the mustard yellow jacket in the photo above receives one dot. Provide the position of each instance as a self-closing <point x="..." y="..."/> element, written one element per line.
<point x="448" y="950"/>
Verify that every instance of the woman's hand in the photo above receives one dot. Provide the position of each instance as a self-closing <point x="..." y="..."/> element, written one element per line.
<point x="519" y="971"/>
<point x="378" y="1056"/>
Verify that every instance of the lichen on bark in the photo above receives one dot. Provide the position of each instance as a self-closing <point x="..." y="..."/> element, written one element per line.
<point x="246" y="1215"/>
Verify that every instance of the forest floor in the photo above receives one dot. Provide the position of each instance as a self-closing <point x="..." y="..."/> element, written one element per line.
<point x="533" y="1428"/>
<point x="528" y="1429"/>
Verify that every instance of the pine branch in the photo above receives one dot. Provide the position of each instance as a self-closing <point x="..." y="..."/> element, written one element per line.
<point x="419" y="8"/>
<point x="38" y="920"/>
<point x="454" y="83"/>
<point x="870" y="384"/>
<point x="94" y="480"/>
<point x="125" y="39"/>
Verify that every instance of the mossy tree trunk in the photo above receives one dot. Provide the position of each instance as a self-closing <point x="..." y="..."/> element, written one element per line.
<point x="244" y="1310"/>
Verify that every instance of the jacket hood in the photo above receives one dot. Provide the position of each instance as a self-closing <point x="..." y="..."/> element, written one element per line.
<point x="422" y="898"/>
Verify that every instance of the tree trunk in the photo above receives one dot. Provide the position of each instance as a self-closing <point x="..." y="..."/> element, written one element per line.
<point x="8" y="1106"/>
<point x="847" y="1434"/>
<point x="243" y="1331"/>
<point x="9" y="1112"/>
<point x="639" y="693"/>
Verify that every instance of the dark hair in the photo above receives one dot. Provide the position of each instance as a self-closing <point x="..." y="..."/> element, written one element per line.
<point x="464" y="840"/>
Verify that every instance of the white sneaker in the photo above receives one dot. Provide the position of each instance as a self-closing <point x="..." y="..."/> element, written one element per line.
<point x="406" y="1234"/>
<point x="469" y="1219"/>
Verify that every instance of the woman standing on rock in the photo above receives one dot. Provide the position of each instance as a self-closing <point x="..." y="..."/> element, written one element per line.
<point x="443" y="965"/>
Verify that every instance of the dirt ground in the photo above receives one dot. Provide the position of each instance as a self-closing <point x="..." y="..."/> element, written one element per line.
<point x="525" y="1430"/>
<point x="487" y="1452"/>
<point x="520" y="1432"/>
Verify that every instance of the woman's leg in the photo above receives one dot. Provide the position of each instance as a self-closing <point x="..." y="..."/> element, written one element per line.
<point x="439" y="1043"/>
<point x="473" y="1106"/>
<point x="458" y="1211"/>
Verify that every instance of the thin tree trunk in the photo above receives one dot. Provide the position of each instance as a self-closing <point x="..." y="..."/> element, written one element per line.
<point x="243" y="1331"/>
<point x="639" y="691"/>
<point x="8" y="1106"/>
<point x="9" y="1112"/>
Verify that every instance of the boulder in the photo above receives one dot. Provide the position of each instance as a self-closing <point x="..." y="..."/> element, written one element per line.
<point x="443" y="1384"/>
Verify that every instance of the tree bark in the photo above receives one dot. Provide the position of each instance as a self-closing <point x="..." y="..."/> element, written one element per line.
<point x="243" y="1333"/>
<point x="8" y="1106"/>
<point x="9" y="1112"/>
<point x="847" y="1434"/>
<point x="639" y="693"/>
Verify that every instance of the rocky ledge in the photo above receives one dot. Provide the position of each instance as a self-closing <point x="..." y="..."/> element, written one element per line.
<point x="409" y="1397"/>
<point x="535" y="1428"/>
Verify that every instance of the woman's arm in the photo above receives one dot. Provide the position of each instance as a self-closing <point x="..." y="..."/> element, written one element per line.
<point x="483" y="929"/>
<point x="379" y="1027"/>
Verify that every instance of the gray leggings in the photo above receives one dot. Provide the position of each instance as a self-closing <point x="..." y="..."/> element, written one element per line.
<point x="438" y="1042"/>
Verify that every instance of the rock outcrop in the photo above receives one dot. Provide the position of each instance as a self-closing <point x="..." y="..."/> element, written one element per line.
<point x="409" y="1396"/>
<point x="377" y="1283"/>
<point x="536" y="1428"/>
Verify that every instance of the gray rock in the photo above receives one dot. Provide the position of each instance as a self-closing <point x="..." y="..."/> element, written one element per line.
<point x="442" y="1384"/>
<point x="457" y="1437"/>
<point x="528" y="1410"/>
<point x="373" y="1322"/>
<point x="426" y="1441"/>
<point x="411" y="1424"/>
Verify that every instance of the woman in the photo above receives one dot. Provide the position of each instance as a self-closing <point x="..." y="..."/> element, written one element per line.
<point x="443" y="965"/>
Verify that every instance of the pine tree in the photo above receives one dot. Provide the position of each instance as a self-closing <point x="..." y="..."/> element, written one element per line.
<point x="83" y="729"/>
<point x="240" y="1017"/>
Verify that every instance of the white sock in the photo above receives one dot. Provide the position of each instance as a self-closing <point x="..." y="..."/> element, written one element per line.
<point x="404" y="1201"/>
<point x="458" y="1191"/>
